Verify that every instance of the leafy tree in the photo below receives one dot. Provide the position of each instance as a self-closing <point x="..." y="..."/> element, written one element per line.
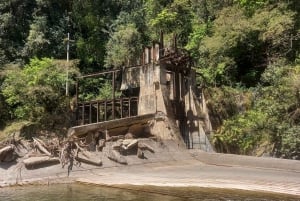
<point x="274" y="116"/>
<point x="36" y="41"/>
<point x="92" y="28"/>
<point x="47" y="30"/>
<point x="251" y="5"/>
<point x="15" y="18"/>
<point x="124" y="46"/>
<point x="289" y="143"/>
<point x="171" y="17"/>
<point x="242" y="133"/>
<point x="242" y="46"/>
<point x="36" y="90"/>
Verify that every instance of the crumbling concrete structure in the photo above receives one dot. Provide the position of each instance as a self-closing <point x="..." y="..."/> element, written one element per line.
<point x="165" y="103"/>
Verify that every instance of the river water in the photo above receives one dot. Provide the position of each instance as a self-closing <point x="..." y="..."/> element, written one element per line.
<point x="81" y="192"/>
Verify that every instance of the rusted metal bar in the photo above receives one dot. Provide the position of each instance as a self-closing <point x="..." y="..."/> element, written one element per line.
<point x="98" y="111"/>
<point x="83" y="113"/>
<point x="161" y="44"/>
<point x="121" y="107"/>
<point x="105" y="111"/>
<point x="129" y="107"/>
<point x="175" y="41"/>
<point x="113" y="88"/>
<point x="174" y="85"/>
<point x="107" y="72"/>
<point x="130" y="104"/>
<point x="100" y="73"/>
<point x="180" y="86"/>
<point x="90" y="113"/>
<point x="137" y="105"/>
<point x="77" y="92"/>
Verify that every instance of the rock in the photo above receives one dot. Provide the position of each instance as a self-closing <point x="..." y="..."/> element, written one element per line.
<point x="101" y="144"/>
<point x="140" y="154"/>
<point x="116" y="156"/>
<point x="128" y="136"/>
<point x="116" y="145"/>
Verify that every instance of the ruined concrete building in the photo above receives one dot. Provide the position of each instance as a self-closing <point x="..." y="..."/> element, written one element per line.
<point x="159" y="99"/>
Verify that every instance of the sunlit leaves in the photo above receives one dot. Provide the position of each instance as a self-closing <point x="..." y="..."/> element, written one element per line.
<point x="124" y="46"/>
<point x="35" y="90"/>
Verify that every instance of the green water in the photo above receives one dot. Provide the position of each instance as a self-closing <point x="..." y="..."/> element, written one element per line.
<point x="80" y="192"/>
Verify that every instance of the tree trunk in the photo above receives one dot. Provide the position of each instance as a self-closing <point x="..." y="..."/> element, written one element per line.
<point x="37" y="162"/>
<point x="91" y="160"/>
<point x="4" y="152"/>
<point x="41" y="146"/>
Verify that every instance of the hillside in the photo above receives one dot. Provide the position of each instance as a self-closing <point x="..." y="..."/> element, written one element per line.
<point x="246" y="54"/>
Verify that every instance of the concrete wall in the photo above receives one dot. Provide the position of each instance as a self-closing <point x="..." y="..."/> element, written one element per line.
<point x="158" y="90"/>
<point x="151" y="92"/>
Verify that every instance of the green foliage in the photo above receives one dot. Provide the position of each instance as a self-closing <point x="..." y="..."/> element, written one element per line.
<point x="242" y="133"/>
<point x="290" y="143"/>
<point x="96" y="89"/>
<point x="245" y="45"/>
<point x="36" y="90"/>
<point x="92" y="21"/>
<point x="169" y="17"/>
<point x="165" y="20"/>
<point x="274" y="115"/>
<point x="124" y="46"/>
<point x="195" y="37"/>
<point x="226" y="102"/>
<point x="15" y="17"/>
<point x="251" y="5"/>
<point x="12" y="129"/>
<point x="106" y="92"/>
<point x="246" y="52"/>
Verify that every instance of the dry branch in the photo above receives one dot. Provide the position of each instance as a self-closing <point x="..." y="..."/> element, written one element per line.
<point x="4" y="152"/>
<point x="116" y="156"/>
<point x="129" y="144"/>
<point x="91" y="160"/>
<point x="144" y="146"/>
<point x="36" y="162"/>
<point x="41" y="146"/>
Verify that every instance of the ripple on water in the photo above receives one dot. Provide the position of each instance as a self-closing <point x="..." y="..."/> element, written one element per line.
<point x="81" y="192"/>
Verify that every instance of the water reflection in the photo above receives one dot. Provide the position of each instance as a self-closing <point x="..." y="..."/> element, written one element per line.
<point x="79" y="192"/>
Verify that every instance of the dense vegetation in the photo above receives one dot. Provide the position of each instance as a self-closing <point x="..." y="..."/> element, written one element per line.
<point x="246" y="51"/>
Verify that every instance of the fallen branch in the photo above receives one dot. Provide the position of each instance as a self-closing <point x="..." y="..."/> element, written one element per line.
<point x="129" y="144"/>
<point x="4" y="152"/>
<point x="116" y="156"/>
<point x="36" y="162"/>
<point x="91" y="160"/>
<point x="41" y="146"/>
<point x="144" y="146"/>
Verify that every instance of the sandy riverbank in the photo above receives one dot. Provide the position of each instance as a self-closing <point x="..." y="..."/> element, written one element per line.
<point x="172" y="167"/>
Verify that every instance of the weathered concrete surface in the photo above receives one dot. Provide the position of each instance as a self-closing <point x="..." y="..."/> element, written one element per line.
<point x="232" y="160"/>
<point x="172" y="166"/>
<point x="110" y="125"/>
